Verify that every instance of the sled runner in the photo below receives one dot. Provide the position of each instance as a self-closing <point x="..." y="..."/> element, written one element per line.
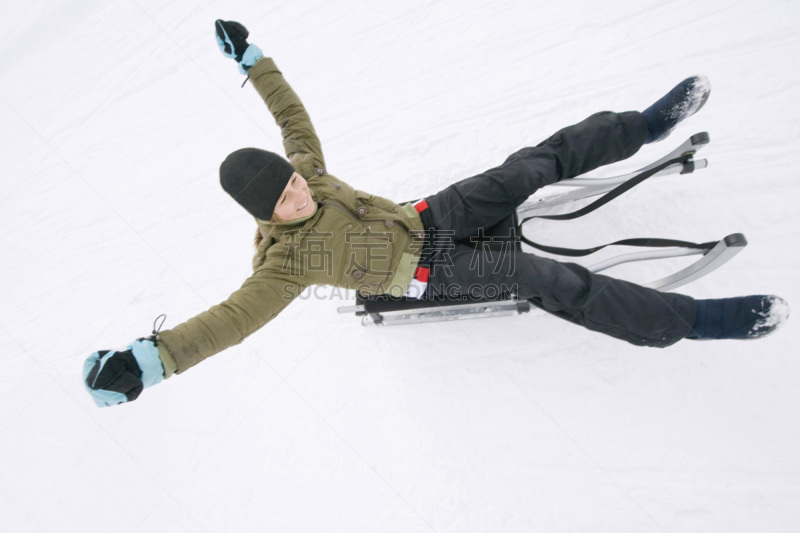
<point x="387" y="310"/>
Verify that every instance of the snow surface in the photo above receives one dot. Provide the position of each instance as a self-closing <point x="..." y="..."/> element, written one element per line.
<point x="115" y="117"/>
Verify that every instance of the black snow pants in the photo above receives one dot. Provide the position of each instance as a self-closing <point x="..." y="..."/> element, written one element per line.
<point x="624" y="310"/>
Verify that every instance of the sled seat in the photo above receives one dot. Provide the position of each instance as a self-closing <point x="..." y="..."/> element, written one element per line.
<point x="387" y="310"/>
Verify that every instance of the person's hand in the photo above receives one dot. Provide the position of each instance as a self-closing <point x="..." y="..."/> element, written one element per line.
<point x="115" y="377"/>
<point x="232" y="41"/>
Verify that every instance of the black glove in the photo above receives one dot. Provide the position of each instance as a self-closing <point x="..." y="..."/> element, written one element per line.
<point x="114" y="377"/>
<point x="232" y="40"/>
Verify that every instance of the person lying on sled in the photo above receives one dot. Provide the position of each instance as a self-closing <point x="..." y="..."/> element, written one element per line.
<point x="315" y="229"/>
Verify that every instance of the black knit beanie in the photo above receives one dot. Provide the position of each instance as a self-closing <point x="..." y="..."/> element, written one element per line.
<point x="255" y="179"/>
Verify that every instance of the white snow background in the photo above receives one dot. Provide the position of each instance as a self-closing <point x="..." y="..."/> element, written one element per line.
<point x="115" y="117"/>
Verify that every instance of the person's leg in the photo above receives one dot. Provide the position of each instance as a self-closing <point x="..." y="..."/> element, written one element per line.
<point x="621" y="309"/>
<point x="624" y="310"/>
<point x="483" y="200"/>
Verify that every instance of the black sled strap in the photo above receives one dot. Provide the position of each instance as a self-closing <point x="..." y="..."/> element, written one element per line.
<point x="644" y="242"/>
<point x="614" y="193"/>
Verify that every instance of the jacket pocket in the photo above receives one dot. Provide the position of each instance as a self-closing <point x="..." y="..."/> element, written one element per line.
<point x="368" y="261"/>
<point x="374" y="207"/>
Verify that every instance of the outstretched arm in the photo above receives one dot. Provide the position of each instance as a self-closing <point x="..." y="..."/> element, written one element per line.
<point x="299" y="136"/>
<point x="262" y="296"/>
<point x="114" y="377"/>
<point x="300" y="141"/>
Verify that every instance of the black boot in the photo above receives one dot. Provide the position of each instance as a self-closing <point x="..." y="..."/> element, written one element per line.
<point x="744" y="317"/>
<point x="683" y="101"/>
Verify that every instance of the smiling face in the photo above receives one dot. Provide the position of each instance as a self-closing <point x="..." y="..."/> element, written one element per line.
<point x="295" y="201"/>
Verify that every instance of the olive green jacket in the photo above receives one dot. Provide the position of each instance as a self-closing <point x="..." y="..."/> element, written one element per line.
<point x="354" y="240"/>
